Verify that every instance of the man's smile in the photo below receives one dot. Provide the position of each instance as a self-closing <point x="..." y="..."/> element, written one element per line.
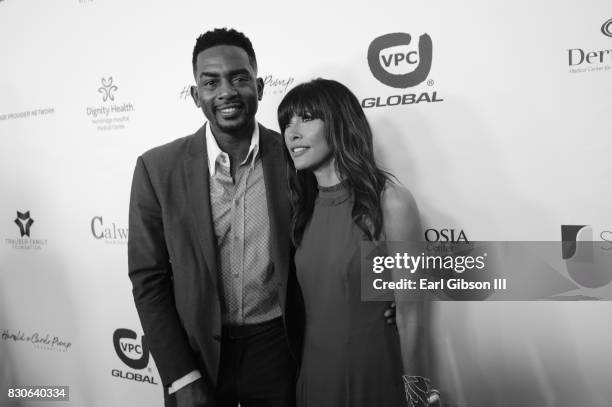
<point x="229" y="111"/>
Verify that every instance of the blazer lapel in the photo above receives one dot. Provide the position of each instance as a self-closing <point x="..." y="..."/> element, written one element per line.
<point x="275" y="169"/>
<point x="198" y="188"/>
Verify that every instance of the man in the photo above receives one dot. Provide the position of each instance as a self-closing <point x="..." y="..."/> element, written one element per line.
<point x="209" y="248"/>
<point x="211" y="275"/>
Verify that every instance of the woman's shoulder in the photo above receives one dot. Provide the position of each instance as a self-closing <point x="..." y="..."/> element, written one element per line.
<point x="400" y="213"/>
<point x="397" y="199"/>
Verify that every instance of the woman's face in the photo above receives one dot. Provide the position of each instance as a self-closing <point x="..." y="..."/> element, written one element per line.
<point x="305" y="140"/>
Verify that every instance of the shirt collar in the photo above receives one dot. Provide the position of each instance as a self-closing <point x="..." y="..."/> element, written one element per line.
<point x="215" y="154"/>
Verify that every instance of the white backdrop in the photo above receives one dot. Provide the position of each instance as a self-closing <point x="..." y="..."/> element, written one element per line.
<point x="519" y="146"/>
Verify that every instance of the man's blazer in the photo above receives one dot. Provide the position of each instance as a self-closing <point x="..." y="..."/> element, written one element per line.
<point x="172" y="254"/>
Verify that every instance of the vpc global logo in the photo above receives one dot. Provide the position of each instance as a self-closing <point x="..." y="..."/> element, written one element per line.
<point x="397" y="61"/>
<point x="111" y="114"/>
<point x="25" y="241"/>
<point x="109" y="232"/>
<point x="134" y="354"/>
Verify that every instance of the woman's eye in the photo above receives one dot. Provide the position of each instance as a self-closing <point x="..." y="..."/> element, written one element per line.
<point x="307" y="117"/>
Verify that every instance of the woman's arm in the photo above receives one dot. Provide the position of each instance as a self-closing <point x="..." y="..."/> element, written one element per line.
<point x="401" y="222"/>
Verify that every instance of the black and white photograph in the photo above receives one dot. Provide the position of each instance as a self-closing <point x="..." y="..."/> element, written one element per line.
<point x="316" y="204"/>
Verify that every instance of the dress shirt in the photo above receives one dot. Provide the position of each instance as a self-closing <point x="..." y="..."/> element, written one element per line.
<point x="242" y="229"/>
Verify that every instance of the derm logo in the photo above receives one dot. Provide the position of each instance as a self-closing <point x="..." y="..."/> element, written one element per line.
<point x="24" y="222"/>
<point x="581" y="60"/>
<point x="387" y="66"/>
<point x="606" y="28"/>
<point x="132" y="353"/>
<point x="107" y="89"/>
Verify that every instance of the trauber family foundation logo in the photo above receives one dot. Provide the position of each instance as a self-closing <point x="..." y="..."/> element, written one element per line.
<point x="133" y="354"/>
<point x="24" y="222"/>
<point x="395" y="62"/>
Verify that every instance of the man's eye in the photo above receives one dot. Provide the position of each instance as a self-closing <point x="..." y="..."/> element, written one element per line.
<point x="208" y="83"/>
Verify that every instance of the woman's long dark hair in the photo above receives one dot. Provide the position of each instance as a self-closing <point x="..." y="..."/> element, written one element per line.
<point x="349" y="136"/>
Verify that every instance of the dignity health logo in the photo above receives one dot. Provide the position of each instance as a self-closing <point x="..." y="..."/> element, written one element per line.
<point x="107" y="89"/>
<point x="24" y="223"/>
<point x="109" y="116"/>
<point x="395" y="62"/>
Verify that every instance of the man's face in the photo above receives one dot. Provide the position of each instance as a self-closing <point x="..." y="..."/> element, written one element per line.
<point x="227" y="88"/>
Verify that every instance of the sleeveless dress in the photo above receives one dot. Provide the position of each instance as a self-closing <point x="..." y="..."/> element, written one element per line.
<point x="351" y="356"/>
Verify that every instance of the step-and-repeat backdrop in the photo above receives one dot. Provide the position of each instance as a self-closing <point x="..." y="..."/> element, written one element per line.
<point x="501" y="130"/>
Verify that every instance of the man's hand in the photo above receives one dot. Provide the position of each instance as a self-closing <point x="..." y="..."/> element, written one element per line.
<point x="390" y="314"/>
<point x="194" y="395"/>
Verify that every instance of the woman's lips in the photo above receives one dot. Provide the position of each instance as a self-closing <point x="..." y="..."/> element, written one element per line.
<point x="298" y="151"/>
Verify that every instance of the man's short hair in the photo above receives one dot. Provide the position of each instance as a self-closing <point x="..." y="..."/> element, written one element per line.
<point x="223" y="36"/>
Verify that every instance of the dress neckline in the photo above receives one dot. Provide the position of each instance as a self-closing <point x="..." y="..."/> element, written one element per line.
<point x="338" y="186"/>
<point x="334" y="194"/>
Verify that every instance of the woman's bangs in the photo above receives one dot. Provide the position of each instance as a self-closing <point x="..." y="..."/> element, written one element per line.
<point x="300" y="101"/>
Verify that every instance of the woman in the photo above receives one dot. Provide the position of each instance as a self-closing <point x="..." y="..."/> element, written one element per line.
<point x="351" y="357"/>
